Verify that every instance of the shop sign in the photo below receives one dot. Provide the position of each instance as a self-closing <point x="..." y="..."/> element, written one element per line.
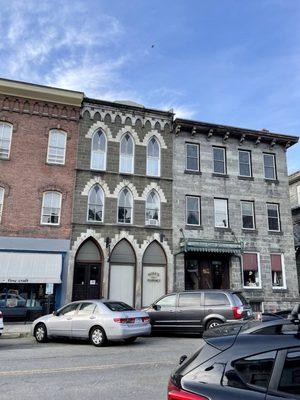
<point x="49" y="288"/>
<point x="15" y="280"/>
<point x="153" y="277"/>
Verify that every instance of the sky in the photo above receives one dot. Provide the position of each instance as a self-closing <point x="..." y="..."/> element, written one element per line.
<point x="230" y="62"/>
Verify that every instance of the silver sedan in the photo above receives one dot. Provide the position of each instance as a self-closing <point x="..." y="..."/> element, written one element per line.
<point x="96" y="320"/>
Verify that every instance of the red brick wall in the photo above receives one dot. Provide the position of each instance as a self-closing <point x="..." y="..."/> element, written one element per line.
<point x="26" y="175"/>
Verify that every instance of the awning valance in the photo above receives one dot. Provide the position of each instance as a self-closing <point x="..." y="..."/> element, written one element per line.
<point x="211" y="246"/>
<point x="18" y="267"/>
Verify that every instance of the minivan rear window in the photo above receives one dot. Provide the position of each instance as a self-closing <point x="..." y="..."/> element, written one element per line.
<point x="239" y="299"/>
<point x="117" y="306"/>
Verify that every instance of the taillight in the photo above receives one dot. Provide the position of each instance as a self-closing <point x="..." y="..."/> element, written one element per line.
<point x="120" y="320"/>
<point x="130" y="320"/>
<point x="145" y="319"/>
<point x="175" y="393"/>
<point x="237" y="312"/>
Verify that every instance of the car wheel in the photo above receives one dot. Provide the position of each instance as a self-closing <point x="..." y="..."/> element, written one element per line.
<point x="213" y="323"/>
<point x="130" y="339"/>
<point x="97" y="336"/>
<point x="40" y="333"/>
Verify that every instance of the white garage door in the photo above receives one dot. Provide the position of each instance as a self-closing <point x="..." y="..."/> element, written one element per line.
<point x="121" y="285"/>
<point x="154" y="283"/>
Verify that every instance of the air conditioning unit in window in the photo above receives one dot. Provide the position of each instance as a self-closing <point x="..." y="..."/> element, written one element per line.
<point x="153" y="222"/>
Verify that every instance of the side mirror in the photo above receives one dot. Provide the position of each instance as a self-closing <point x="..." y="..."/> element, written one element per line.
<point x="54" y="313"/>
<point x="155" y="307"/>
<point x="182" y="359"/>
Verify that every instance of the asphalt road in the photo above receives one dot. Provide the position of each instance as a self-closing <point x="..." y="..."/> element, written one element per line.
<point x="64" y="370"/>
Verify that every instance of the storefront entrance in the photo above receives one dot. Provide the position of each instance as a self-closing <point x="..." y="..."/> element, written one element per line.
<point x="206" y="271"/>
<point x="87" y="272"/>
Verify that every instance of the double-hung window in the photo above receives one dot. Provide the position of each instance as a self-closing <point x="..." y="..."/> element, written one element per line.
<point x="248" y="220"/>
<point x="125" y="206"/>
<point x="51" y="208"/>
<point x="153" y="208"/>
<point x="219" y="154"/>
<point x="221" y="213"/>
<point x="278" y="273"/>
<point x="192" y="157"/>
<point x="245" y="163"/>
<point x="270" y="166"/>
<point x="127" y="154"/>
<point x="153" y="157"/>
<point x="251" y="270"/>
<point x="98" y="153"/>
<point x="5" y="139"/>
<point x="95" y="204"/>
<point x="273" y="217"/>
<point x="1" y="201"/>
<point x="192" y="210"/>
<point x="56" y="147"/>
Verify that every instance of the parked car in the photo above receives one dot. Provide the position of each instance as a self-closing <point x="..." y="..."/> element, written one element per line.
<point x="96" y="320"/>
<point x="14" y="306"/>
<point x="1" y="323"/>
<point x="196" y="311"/>
<point x="252" y="360"/>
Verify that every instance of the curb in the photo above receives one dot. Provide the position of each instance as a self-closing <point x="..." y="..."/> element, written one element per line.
<point x="15" y="335"/>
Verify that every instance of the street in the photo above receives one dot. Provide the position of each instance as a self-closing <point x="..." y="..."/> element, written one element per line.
<point x="77" y="370"/>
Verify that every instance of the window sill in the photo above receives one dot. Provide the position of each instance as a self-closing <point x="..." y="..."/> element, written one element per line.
<point x="279" y="289"/>
<point x="55" y="164"/>
<point x="280" y="233"/>
<point x="245" y="178"/>
<point x="126" y="173"/>
<point x="95" y="222"/>
<point x="152" y="226"/>
<point x="4" y="159"/>
<point x="216" y="175"/>
<point x="272" y="181"/>
<point x="51" y="225"/>
<point x="194" y="227"/>
<point x="248" y="288"/>
<point x="219" y="229"/>
<point x="253" y="231"/>
<point x="188" y="172"/>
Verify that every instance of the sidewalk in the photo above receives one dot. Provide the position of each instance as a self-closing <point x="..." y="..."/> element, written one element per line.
<point x="13" y="330"/>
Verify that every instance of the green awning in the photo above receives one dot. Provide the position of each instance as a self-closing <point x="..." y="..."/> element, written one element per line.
<point x="211" y="246"/>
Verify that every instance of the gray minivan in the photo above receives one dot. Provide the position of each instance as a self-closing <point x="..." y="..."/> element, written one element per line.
<point x="197" y="310"/>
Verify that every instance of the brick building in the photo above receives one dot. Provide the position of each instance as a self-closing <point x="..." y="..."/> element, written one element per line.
<point x="232" y="225"/>
<point x="122" y="219"/>
<point x="294" y="182"/>
<point x="38" y="143"/>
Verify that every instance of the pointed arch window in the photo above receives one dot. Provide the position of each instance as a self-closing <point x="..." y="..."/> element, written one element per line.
<point x="1" y="200"/>
<point x="96" y="204"/>
<point x="127" y="154"/>
<point x="51" y="208"/>
<point x="56" y="147"/>
<point x="5" y="139"/>
<point x="99" y="148"/>
<point x="153" y="157"/>
<point x="153" y="208"/>
<point x="125" y="206"/>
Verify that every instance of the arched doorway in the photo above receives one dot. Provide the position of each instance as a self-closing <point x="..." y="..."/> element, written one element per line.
<point x="154" y="273"/>
<point x="87" y="272"/>
<point x="122" y="273"/>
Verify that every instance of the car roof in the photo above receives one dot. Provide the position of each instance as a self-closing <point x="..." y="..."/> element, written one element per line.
<point x="206" y="290"/>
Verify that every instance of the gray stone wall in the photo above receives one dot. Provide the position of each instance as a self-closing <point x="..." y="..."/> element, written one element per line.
<point x="141" y="125"/>
<point x="236" y="189"/>
<point x="294" y="181"/>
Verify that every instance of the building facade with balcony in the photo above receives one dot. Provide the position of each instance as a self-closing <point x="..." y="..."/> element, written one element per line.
<point x="294" y="182"/>
<point x="122" y="216"/>
<point x="232" y="225"/>
<point x="38" y="143"/>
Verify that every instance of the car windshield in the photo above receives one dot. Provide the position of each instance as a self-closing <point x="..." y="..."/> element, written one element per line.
<point x="117" y="306"/>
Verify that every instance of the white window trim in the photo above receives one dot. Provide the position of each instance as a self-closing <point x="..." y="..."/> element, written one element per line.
<point x="60" y="202"/>
<point x="133" y="155"/>
<point x="227" y="216"/>
<point x="253" y="214"/>
<point x="132" y="210"/>
<point x="65" y="147"/>
<point x="103" y="196"/>
<point x="2" y="190"/>
<point x="259" y="271"/>
<point x="198" y="156"/>
<point x="159" y="208"/>
<point x="224" y="158"/>
<point x="250" y="164"/>
<point x="186" y="210"/>
<point x="274" y="167"/>
<point x="298" y="194"/>
<point x="11" y="132"/>
<point x="105" y="152"/>
<point x="278" y="216"/>
<point x="283" y="271"/>
<point x="159" y="157"/>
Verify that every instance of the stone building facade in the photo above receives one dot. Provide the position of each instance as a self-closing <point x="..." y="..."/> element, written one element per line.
<point x="38" y="143"/>
<point x="294" y="182"/>
<point x="232" y="225"/>
<point x="122" y="216"/>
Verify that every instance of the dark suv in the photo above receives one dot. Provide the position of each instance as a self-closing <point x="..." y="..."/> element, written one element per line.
<point x="196" y="311"/>
<point x="250" y="361"/>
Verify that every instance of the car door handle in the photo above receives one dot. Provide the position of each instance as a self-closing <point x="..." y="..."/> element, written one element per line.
<point x="69" y="318"/>
<point x="171" y="310"/>
<point x="92" y="317"/>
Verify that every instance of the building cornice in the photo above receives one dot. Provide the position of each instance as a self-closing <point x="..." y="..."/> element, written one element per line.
<point x="295" y="177"/>
<point x="227" y="131"/>
<point x="40" y="92"/>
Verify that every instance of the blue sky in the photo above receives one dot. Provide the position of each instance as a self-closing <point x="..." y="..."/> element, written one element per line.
<point x="224" y="61"/>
